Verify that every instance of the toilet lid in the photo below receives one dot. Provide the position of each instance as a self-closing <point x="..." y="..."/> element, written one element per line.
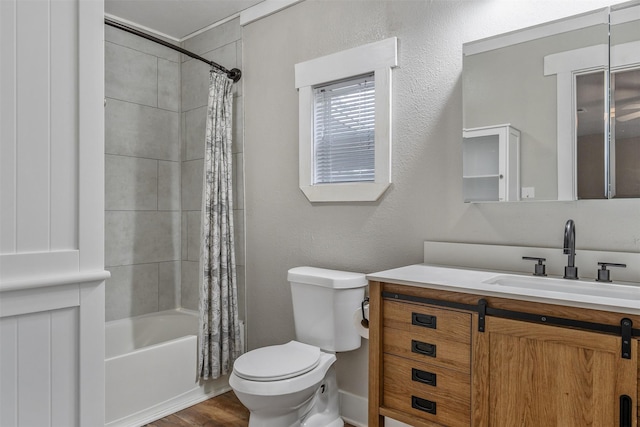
<point x="277" y="362"/>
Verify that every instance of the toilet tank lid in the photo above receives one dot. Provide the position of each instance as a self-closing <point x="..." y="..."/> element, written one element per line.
<point x="335" y="279"/>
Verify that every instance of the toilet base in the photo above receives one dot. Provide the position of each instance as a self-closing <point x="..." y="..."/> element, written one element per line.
<point x="284" y="422"/>
<point x="324" y="422"/>
<point x="320" y="410"/>
<point x="324" y="406"/>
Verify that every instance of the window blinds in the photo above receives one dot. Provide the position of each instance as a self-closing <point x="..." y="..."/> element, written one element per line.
<point x="343" y="131"/>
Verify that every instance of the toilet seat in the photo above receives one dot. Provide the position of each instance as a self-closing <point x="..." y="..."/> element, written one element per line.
<point x="277" y="362"/>
<point x="289" y="386"/>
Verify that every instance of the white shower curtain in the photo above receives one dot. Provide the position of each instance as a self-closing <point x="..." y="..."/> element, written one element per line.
<point x="219" y="343"/>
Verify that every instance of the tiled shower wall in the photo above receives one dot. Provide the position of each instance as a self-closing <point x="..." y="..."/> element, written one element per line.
<point x="155" y="125"/>
<point x="142" y="182"/>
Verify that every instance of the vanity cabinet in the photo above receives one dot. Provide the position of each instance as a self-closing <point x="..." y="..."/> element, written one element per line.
<point x="491" y="163"/>
<point x="426" y="362"/>
<point x="440" y="358"/>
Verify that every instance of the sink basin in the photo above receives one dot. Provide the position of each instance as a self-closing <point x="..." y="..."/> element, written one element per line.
<point x="579" y="287"/>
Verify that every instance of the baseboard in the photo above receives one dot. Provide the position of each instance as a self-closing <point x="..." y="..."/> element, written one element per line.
<point x="353" y="409"/>
<point x="193" y="397"/>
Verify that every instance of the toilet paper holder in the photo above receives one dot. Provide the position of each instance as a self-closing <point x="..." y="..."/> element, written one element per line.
<point x="364" y="322"/>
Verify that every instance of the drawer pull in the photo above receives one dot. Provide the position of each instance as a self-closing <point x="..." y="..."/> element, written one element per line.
<point x="625" y="411"/>
<point x="423" y="405"/>
<point x="423" y="348"/>
<point x="423" y="320"/>
<point x="423" y="377"/>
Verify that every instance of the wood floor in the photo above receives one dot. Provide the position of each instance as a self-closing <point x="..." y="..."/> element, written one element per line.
<point x="221" y="411"/>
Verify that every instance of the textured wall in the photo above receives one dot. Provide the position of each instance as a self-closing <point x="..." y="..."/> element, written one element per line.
<point x="425" y="200"/>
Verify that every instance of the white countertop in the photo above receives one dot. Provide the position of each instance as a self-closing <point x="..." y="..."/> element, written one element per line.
<point x="617" y="297"/>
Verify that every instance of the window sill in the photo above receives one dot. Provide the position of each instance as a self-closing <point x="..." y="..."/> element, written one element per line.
<point x="345" y="192"/>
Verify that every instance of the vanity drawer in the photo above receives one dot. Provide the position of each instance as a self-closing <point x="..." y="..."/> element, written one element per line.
<point x="433" y="350"/>
<point x="432" y="393"/>
<point x="426" y="321"/>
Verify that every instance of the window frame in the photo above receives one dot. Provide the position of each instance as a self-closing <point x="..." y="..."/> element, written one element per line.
<point x="377" y="58"/>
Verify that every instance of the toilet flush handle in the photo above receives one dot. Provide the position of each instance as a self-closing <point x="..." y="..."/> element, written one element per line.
<point x="364" y="322"/>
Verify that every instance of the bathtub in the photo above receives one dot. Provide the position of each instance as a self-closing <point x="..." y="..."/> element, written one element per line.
<point x="151" y="367"/>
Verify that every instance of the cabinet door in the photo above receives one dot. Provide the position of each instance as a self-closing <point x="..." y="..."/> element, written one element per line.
<point x="539" y="375"/>
<point x="491" y="164"/>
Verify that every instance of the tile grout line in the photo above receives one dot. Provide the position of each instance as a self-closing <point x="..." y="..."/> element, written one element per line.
<point x="155" y="107"/>
<point x="157" y="83"/>
<point x="158" y="284"/>
<point x="143" y="158"/>
<point x="157" y="185"/>
<point x="145" y="53"/>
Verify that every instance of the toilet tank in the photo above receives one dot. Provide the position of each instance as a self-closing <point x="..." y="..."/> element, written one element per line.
<point x="324" y="302"/>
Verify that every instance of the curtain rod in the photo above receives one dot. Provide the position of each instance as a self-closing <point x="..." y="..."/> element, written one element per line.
<point x="234" y="74"/>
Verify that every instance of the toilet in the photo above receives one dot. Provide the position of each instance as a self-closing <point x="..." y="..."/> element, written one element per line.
<point x="294" y="384"/>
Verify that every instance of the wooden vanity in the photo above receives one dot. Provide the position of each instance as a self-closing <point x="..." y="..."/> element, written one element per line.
<point x="459" y="358"/>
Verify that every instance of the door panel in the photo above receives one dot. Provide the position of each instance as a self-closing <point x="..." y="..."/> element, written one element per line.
<point x="542" y="375"/>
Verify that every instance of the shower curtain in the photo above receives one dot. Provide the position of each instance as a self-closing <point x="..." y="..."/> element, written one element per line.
<point x="219" y="343"/>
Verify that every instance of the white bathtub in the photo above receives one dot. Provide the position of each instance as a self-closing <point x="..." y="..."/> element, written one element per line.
<point x="151" y="367"/>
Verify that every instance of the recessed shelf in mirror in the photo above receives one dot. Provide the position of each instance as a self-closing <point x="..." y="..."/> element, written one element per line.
<point x="490" y="163"/>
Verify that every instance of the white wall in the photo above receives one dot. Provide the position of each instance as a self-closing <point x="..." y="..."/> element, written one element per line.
<point x="425" y="201"/>
<point x="37" y="128"/>
<point x="51" y="213"/>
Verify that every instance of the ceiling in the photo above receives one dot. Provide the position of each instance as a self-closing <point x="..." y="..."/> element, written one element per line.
<point x="175" y="18"/>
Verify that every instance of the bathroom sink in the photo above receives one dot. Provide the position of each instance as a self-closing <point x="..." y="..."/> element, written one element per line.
<point x="578" y="287"/>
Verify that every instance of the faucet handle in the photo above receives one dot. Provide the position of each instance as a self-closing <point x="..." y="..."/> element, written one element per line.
<point x="603" y="273"/>
<point x="539" y="268"/>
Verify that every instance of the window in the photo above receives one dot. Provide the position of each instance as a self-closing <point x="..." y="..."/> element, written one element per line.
<point x="344" y="131"/>
<point x="345" y="123"/>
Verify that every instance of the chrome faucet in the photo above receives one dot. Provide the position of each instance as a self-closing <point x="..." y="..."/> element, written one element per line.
<point x="570" y="271"/>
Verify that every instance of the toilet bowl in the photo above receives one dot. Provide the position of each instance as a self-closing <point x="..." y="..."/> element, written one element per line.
<point x="294" y="384"/>
<point x="290" y="386"/>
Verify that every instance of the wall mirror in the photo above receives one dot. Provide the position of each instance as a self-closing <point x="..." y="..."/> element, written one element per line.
<point x="568" y="91"/>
